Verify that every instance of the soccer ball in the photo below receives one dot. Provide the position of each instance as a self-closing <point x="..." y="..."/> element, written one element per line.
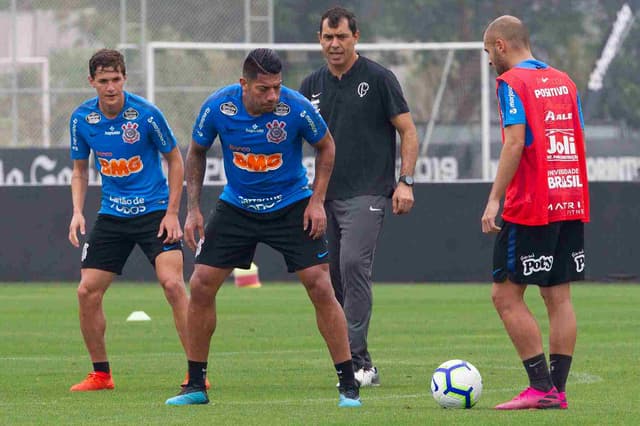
<point x="456" y="384"/>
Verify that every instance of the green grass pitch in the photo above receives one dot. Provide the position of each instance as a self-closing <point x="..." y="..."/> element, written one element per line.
<point x="269" y="366"/>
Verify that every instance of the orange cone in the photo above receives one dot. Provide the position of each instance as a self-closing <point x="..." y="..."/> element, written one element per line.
<point x="247" y="278"/>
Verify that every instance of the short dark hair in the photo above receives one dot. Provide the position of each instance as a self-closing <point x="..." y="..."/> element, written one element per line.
<point x="261" y="61"/>
<point x="336" y="14"/>
<point x="106" y="58"/>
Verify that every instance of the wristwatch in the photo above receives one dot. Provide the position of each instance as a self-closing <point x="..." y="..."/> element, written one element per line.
<point x="406" y="179"/>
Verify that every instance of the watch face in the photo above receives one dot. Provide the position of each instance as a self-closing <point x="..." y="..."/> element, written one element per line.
<point x="407" y="179"/>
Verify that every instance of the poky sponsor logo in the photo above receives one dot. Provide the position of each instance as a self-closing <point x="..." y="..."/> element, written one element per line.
<point x="257" y="162"/>
<point x="120" y="167"/>
<point x="532" y="264"/>
<point x="578" y="258"/>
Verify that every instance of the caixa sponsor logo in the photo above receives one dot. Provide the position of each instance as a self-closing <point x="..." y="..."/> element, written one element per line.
<point x="531" y="265"/>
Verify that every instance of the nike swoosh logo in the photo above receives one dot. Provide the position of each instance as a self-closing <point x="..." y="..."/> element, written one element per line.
<point x="535" y="364"/>
<point x="315" y="95"/>
<point x="322" y="255"/>
<point x="373" y="209"/>
<point x="169" y="247"/>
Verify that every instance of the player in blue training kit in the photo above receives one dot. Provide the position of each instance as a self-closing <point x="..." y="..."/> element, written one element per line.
<point x="267" y="199"/>
<point x="127" y="134"/>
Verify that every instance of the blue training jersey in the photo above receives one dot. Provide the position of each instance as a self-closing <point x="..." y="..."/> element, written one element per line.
<point x="262" y="155"/>
<point x="126" y="152"/>
<point x="511" y="104"/>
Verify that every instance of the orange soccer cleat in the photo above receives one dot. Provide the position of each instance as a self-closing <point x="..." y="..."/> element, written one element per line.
<point x="186" y="381"/>
<point x="94" y="381"/>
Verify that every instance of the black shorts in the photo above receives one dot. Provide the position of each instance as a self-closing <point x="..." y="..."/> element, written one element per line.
<point x="113" y="238"/>
<point x="231" y="236"/>
<point x="545" y="255"/>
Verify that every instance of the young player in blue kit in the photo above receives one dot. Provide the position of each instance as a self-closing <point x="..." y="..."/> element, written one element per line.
<point x="127" y="134"/>
<point x="267" y="199"/>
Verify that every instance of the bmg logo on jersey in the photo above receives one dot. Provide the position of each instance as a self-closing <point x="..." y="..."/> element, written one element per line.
<point x="531" y="264"/>
<point x="257" y="162"/>
<point x="578" y="259"/>
<point x="120" y="167"/>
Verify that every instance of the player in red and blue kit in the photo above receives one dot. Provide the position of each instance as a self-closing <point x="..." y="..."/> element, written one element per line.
<point x="267" y="199"/>
<point x="542" y="174"/>
<point x="127" y="135"/>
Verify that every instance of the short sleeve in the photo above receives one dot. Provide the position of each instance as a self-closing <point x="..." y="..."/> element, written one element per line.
<point x="160" y="133"/>
<point x="313" y="127"/>
<point x="204" y="130"/>
<point x="80" y="150"/>
<point x="394" y="101"/>
<point x="511" y="107"/>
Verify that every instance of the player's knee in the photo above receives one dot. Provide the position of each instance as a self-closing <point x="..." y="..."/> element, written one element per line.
<point x="555" y="299"/>
<point x="88" y="293"/>
<point x="203" y="287"/>
<point x="174" y="289"/>
<point x="501" y="302"/>
<point x="320" y="289"/>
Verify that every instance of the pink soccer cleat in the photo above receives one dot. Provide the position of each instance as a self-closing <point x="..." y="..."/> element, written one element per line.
<point x="563" y="400"/>
<point x="532" y="398"/>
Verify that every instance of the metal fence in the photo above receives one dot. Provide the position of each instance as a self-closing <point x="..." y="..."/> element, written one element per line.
<point x="45" y="46"/>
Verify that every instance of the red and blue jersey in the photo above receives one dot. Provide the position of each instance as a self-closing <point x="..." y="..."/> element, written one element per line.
<point x="126" y="152"/>
<point x="550" y="183"/>
<point x="262" y="155"/>
<point x="511" y="108"/>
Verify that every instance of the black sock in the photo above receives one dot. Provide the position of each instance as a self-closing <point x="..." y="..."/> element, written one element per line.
<point x="345" y="373"/>
<point x="539" y="377"/>
<point x="559" y="366"/>
<point x="197" y="373"/>
<point x="103" y="367"/>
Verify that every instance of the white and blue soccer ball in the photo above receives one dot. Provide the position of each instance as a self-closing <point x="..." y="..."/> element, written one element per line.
<point x="456" y="384"/>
